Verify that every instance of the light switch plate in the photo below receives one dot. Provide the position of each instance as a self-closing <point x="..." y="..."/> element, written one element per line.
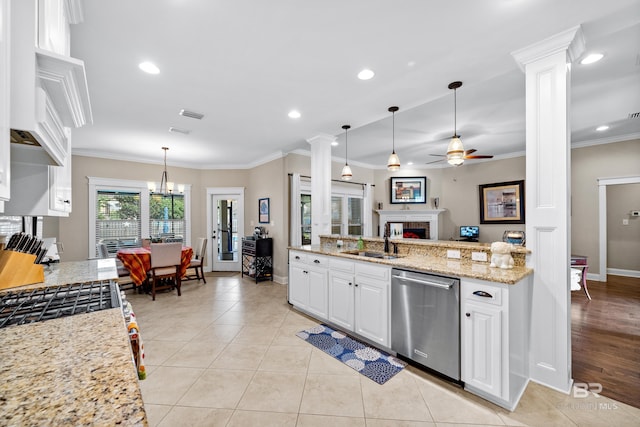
<point x="451" y="253"/>
<point x="479" y="256"/>
<point x="625" y="221"/>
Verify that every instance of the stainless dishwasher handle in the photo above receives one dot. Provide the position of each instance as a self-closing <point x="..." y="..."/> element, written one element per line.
<point x="424" y="282"/>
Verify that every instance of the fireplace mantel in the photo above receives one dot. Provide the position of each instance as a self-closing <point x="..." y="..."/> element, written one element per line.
<point x="431" y="216"/>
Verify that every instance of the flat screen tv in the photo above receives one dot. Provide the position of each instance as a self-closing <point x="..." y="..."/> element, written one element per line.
<point x="469" y="232"/>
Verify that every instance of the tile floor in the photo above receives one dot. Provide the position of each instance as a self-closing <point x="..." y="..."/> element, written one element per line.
<point x="225" y="354"/>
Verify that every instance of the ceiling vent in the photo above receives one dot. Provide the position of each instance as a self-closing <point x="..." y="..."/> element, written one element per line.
<point x="178" y="130"/>
<point x="634" y="115"/>
<point x="191" y="114"/>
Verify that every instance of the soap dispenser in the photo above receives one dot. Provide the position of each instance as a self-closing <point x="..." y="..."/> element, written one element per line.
<point x="360" y="244"/>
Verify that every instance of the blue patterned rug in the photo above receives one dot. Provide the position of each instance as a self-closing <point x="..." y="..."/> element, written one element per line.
<point x="370" y="362"/>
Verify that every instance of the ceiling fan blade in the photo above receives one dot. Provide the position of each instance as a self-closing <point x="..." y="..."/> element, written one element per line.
<point x="436" y="161"/>
<point x="478" y="157"/>
<point x="467" y="152"/>
<point x="438" y="155"/>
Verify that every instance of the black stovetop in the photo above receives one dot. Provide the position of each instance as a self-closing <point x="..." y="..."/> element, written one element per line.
<point x="35" y="305"/>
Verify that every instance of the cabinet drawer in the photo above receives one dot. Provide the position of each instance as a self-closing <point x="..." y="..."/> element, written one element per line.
<point x="317" y="260"/>
<point x="341" y="265"/>
<point x="482" y="293"/>
<point x="297" y="257"/>
<point x="373" y="271"/>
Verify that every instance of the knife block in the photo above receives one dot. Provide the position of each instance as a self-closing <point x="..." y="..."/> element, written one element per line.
<point x="17" y="269"/>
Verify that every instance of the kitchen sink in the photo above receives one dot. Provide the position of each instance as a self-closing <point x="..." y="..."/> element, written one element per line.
<point x="370" y="254"/>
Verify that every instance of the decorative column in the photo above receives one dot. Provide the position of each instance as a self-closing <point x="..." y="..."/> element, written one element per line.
<point x="320" y="186"/>
<point x="547" y="66"/>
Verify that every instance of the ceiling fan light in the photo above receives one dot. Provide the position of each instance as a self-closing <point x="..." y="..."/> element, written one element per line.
<point x="393" y="164"/>
<point x="455" y="152"/>
<point x="346" y="173"/>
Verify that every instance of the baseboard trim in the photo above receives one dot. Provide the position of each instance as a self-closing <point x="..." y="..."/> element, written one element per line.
<point x="622" y="272"/>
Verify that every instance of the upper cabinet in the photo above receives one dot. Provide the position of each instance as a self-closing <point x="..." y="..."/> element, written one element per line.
<point x="5" y="165"/>
<point x="49" y="89"/>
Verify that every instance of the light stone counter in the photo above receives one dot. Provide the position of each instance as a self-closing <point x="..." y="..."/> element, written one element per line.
<point x="75" y="370"/>
<point x="424" y="262"/>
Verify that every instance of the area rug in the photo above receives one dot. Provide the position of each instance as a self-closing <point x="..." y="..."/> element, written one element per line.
<point x="370" y="362"/>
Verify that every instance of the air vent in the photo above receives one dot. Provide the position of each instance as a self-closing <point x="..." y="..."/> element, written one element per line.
<point x="178" y="130"/>
<point x="23" y="137"/>
<point x="634" y="115"/>
<point x="191" y="114"/>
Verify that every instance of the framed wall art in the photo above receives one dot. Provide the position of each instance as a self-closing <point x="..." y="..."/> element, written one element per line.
<point x="502" y="203"/>
<point x="409" y="189"/>
<point x="263" y="210"/>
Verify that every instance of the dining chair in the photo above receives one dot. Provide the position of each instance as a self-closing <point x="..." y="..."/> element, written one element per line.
<point x="197" y="262"/>
<point x="165" y="267"/>
<point x="124" y="278"/>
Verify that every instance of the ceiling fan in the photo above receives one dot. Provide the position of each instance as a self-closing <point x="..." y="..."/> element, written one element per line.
<point x="456" y="154"/>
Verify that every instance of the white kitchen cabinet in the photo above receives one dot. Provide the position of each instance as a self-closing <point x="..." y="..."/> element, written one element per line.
<point x="38" y="189"/>
<point x="308" y="283"/>
<point x="372" y="287"/>
<point x="494" y="339"/>
<point x="342" y="293"/>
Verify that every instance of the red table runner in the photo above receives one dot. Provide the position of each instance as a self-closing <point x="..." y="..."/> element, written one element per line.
<point x="138" y="262"/>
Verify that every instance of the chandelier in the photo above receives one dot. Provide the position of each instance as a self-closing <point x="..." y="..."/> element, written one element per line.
<point x="166" y="187"/>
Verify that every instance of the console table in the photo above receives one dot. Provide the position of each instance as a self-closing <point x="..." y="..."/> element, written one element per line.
<point x="580" y="262"/>
<point x="257" y="258"/>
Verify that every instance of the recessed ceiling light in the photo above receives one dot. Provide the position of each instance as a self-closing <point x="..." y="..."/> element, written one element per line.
<point x="602" y="128"/>
<point x="366" y="74"/>
<point x="591" y="58"/>
<point x="294" y="114"/>
<point x="334" y="144"/>
<point x="409" y="163"/>
<point x="149" y="67"/>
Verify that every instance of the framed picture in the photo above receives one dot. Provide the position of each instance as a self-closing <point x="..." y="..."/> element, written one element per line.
<point x="263" y="210"/>
<point x="409" y="189"/>
<point x="502" y="203"/>
<point x="395" y="230"/>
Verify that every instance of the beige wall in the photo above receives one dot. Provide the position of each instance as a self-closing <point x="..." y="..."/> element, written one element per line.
<point x="587" y="165"/>
<point x="623" y="241"/>
<point x="456" y="187"/>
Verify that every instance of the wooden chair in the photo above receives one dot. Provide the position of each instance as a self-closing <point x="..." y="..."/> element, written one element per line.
<point x="197" y="262"/>
<point x="124" y="278"/>
<point x="165" y="267"/>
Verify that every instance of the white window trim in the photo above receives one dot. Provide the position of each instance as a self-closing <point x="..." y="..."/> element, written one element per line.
<point x="106" y="184"/>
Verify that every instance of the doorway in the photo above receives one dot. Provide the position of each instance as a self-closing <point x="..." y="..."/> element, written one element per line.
<point x="225" y="223"/>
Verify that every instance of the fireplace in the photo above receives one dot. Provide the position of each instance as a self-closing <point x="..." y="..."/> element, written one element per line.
<point x="412" y="230"/>
<point x="416" y="224"/>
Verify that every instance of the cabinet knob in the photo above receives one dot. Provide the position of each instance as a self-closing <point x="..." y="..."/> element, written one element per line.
<point x="468" y="314"/>
<point x="67" y="201"/>
<point x="297" y="257"/>
<point x="317" y="261"/>
<point x="350" y="283"/>
<point x="356" y="285"/>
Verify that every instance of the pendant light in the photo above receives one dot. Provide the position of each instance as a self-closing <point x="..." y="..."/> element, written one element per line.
<point x="166" y="187"/>
<point x="393" y="164"/>
<point x="455" y="150"/>
<point x="346" y="170"/>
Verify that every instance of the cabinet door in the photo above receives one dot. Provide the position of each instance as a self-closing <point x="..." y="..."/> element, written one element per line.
<point x="298" y="285"/>
<point x="60" y="187"/>
<point x="341" y="299"/>
<point x="482" y="347"/>
<point x="318" y="292"/>
<point x="372" y="309"/>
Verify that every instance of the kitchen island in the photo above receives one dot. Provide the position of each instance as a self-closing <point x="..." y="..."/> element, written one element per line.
<point x="75" y="370"/>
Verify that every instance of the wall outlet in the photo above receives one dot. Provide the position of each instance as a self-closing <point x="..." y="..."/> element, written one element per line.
<point x="479" y="256"/>
<point x="451" y="253"/>
<point x="625" y="221"/>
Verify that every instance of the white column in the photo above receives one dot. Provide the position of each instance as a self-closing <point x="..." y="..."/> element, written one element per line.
<point x="547" y="69"/>
<point x="320" y="186"/>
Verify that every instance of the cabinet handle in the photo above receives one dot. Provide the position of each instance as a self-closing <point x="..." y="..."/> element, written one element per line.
<point x="468" y="314"/>
<point x="297" y="257"/>
<point x="483" y="294"/>
<point x="67" y="201"/>
<point x="356" y="285"/>
<point x="350" y="283"/>
<point x="317" y="261"/>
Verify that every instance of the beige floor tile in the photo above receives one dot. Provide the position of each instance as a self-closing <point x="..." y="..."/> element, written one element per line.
<point x="219" y="333"/>
<point x="332" y="395"/>
<point x="158" y="352"/>
<point x="252" y="334"/>
<point x="196" y="354"/>
<point x="261" y="419"/>
<point x="181" y="416"/>
<point x="240" y="356"/>
<point x="217" y="388"/>
<point x="308" y="420"/>
<point x="155" y="413"/>
<point x="322" y="363"/>
<point x="450" y="406"/>
<point x="166" y="385"/>
<point x="286" y="359"/>
<point x="286" y="335"/>
<point x="371" y="422"/>
<point x="399" y="399"/>
<point x="273" y="391"/>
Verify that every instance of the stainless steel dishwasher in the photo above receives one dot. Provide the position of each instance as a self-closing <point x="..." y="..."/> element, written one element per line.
<point x="425" y="320"/>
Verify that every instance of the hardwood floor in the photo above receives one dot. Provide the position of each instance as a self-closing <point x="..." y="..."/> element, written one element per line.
<point x="605" y="337"/>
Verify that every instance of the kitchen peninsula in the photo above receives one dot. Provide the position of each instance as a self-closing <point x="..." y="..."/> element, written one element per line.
<point x="75" y="370"/>
<point x="355" y="286"/>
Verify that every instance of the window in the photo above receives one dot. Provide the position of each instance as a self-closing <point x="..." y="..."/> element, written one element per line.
<point x="122" y="213"/>
<point x="305" y="207"/>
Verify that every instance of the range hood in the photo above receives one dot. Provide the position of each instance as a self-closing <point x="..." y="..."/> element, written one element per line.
<point x="48" y="91"/>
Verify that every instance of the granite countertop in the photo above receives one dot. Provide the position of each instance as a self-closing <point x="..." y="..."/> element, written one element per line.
<point x="434" y="264"/>
<point x="75" y="370"/>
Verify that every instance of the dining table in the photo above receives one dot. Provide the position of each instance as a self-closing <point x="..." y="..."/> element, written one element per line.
<point x="138" y="262"/>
